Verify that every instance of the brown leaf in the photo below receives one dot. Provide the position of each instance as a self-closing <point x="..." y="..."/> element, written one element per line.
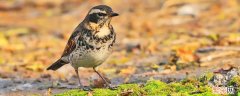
<point x="126" y="92"/>
<point x="90" y="93"/>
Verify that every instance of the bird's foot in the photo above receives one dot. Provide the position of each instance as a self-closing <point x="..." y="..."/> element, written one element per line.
<point x="112" y="87"/>
<point x="86" y="88"/>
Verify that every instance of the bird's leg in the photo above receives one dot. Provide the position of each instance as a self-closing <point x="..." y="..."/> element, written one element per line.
<point x="79" y="80"/>
<point x="80" y="84"/>
<point x="106" y="82"/>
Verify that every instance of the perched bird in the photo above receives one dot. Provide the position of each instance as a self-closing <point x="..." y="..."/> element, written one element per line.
<point x="90" y="43"/>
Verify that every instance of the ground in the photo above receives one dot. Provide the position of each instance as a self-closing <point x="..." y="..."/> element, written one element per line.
<point x="166" y="40"/>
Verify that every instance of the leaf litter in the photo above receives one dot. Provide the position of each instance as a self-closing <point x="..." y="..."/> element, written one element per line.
<point x="173" y="41"/>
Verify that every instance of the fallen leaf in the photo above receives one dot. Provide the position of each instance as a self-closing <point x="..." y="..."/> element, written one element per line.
<point x="3" y="40"/>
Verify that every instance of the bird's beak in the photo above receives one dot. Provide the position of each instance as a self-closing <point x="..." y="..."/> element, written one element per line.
<point x="113" y="14"/>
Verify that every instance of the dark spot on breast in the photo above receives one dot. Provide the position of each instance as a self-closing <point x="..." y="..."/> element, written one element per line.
<point x="87" y="47"/>
<point x="103" y="40"/>
<point x="91" y="37"/>
<point x="106" y="38"/>
<point x="98" y="39"/>
<point x="88" y="34"/>
<point x="91" y="47"/>
<point x="98" y="48"/>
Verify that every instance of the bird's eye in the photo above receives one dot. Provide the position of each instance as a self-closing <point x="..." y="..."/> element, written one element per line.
<point x="101" y="14"/>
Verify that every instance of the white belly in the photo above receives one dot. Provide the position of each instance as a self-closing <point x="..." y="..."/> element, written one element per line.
<point x="89" y="58"/>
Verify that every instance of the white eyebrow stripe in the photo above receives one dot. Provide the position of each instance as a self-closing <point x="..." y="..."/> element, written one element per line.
<point x="96" y="11"/>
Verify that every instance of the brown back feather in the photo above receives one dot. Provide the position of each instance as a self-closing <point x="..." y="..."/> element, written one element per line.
<point x="71" y="44"/>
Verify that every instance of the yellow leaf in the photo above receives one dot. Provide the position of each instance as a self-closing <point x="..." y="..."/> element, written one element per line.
<point x="234" y="37"/>
<point x="3" y="40"/>
<point x="128" y="71"/>
<point x="17" y="46"/>
<point x="17" y="31"/>
<point x="2" y="60"/>
<point x="36" y="66"/>
<point x="187" y="52"/>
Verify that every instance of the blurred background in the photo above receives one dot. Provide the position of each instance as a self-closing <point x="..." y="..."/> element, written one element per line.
<point x="161" y="39"/>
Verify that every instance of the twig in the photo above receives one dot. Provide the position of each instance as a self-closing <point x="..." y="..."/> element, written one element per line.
<point x="214" y="48"/>
<point x="215" y="56"/>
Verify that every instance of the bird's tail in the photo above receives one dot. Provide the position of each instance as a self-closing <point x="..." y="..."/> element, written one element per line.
<point x="59" y="63"/>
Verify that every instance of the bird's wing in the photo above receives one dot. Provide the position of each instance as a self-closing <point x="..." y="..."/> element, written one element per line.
<point x="71" y="44"/>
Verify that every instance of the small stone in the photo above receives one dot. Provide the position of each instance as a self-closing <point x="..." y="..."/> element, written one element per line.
<point x="219" y="80"/>
<point x="188" y="9"/>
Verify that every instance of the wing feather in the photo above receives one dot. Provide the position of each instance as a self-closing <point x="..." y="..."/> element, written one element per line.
<point x="71" y="44"/>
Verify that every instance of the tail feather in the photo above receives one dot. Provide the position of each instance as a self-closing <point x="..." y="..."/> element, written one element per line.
<point x="59" y="63"/>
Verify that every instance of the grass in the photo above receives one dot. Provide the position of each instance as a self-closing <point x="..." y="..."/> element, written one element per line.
<point x="186" y="87"/>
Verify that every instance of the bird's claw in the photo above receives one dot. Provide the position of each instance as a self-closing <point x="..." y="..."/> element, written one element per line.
<point x="86" y="88"/>
<point x="112" y="87"/>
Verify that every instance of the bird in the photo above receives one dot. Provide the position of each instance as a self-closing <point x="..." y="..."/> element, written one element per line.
<point x="90" y="43"/>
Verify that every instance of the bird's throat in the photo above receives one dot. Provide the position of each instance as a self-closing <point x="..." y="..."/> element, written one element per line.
<point x="103" y="31"/>
<point x="100" y="30"/>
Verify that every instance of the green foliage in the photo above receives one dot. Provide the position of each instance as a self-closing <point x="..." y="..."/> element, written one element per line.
<point x="206" y="77"/>
<point x="137" y="90"/>
<point x="235" y="81"/>
<point x="152" y="87"/>
<point x="105" y="92"/>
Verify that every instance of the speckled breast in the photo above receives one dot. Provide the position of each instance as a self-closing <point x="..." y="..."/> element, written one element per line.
<point x="92" y="50"/>
<point x="89" y="58"/>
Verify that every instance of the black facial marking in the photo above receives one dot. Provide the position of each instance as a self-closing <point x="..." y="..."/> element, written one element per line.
<point x="101" y="14"/>
<point x="94" y="18"/>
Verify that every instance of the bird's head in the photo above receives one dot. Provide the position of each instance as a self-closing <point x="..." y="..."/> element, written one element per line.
<point x="100" y="14"/>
